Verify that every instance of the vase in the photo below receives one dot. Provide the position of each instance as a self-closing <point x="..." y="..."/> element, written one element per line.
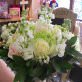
<point x="55" y="77"/>
<point x="65" y="77"/>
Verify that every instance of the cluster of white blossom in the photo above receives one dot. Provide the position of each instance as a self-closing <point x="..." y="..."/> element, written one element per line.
<point x="38" y="40"/>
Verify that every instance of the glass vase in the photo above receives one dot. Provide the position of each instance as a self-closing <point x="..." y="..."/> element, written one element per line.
<point x="59" y="77"/>
<point x="55" y="77"/>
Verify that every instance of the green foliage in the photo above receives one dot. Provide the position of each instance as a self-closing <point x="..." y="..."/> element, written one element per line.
<point x="36" y="69"/>
<point x="3" y="53"/>
<point x="30" y="69"/>
<point x="70" y="49"/>
<point x="60" y="65"/>
<point x="72" y="41"/>
<point x="67" y="24"/>
<point x="20" y="67"/>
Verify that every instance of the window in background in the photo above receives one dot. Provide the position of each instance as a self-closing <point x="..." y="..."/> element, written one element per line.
<point x="78" y="8"/>
<point x="63" y="3"/>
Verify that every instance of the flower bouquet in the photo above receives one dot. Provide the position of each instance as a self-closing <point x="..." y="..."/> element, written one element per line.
<point x="38" y="49"/>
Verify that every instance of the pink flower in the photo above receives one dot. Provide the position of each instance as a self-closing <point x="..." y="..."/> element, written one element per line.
<point x="15" y="49"/>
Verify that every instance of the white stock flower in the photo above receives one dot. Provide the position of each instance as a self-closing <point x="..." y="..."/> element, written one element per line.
<point x="12" y="28"/>
<point x="41" y="18"/>
<point x="10" y="40"/>
<point x="5" y="34"/>
<point x="4" y="27"/>
<point x="68" y="35"/>
<point x="52" y="16"/>
<point x="9" y="24"/>
<point x="58" y="34"/>
<point x="26" y="29"/>
<point x="20" y="39"/>
<point x="48" y="21"/>
<point x="30" y="34"/>
<point x="61" y="49"/>
<point x="41" y="26"/>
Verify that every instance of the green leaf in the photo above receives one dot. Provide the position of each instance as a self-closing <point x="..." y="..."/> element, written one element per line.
<point x="4" y="54"/>
<point x="20" y="68"/>
<point x="72" y="41"/>
<point x="61" y="65"/>
<point x="77" y="54"/>
<point x="35" y="69"/>
<point x="19" y="61"/>
<point x="71" y="51"/>
<point x="20" y="76"/>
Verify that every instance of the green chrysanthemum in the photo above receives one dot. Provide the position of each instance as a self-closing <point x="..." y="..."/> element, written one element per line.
<point x="41" y="49"/>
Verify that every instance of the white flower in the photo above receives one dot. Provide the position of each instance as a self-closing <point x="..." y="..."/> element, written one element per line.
<point x="30" y="34"/>
<point x="26" y="29"/>
<point x="5" y="34"/>
<point x="10" y="40"/>
<point x="46" y="15"/>
<point x="4" y="27"/>
<point x="47" y="60"/>
<point x="20" y="39"/>
<point x="41" y="26"/>
<point x="52" y="16"/>
<point x="48" y="21"/>
<point x="53" y="50"/>
<point x="28" y="53"/>
<point x="61" y="49"/>
<point x="12" y="27"/>
<point x="68" y="35"/>
<point x="15" y="49"/>
<point x="41" y="18"/>
<point x="9" y="24"/>
<point x="41" y="49"/>
<point x="58" y="34"/>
